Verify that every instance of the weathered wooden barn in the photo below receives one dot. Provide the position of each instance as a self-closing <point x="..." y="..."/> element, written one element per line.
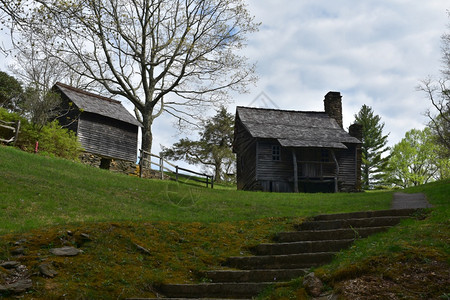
<point x="103" y="125"/>
<point x="297" y="151"/>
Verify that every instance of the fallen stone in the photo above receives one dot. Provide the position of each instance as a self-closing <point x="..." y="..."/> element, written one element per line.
<point x="47" y="270"/>
<point x="17" y="251"/>
<point x="312" y="285"/>
<point x="142" y="249"/>
<point x="65" y="251"/>
<point x="85" y="236"/>
<point x="17" y="287"/>
<point x="10" y="264"/>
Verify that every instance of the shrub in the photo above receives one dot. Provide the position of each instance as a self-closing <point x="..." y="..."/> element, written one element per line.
<point x="53" y="140"/>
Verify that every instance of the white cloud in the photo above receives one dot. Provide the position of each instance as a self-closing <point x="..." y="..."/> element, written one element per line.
<point x="374" y="52"/>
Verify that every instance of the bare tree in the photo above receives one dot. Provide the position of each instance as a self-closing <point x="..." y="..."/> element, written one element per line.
<point x="438" y="93"/>
<point x="172" y="56"/>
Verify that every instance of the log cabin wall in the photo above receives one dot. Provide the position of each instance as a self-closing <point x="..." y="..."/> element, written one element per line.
<point x="274" y="173"/>
<point x="245" y="148"/>
<point x="347" y="169"/>
<point x="107" y="137"/>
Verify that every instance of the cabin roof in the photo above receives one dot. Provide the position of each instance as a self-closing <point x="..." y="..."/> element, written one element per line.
<point x="97" y="104"/>
<point x="302" y="129"/>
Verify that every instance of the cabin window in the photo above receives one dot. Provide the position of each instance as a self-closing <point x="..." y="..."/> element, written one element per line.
<point x="276" y="153"/>
<point x="324" y="155"/>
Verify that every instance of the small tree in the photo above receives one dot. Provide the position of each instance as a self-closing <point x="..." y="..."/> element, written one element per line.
<point x="415" y="161"/>
<point x="213" y="149"/>
<point x="373" y="147"/>
<point x="10" y="92"/>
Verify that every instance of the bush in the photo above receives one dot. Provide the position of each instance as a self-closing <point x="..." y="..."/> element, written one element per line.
<point x="53" y="140"/>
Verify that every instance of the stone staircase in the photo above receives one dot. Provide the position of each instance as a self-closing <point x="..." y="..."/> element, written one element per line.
<point x="314" y="243"/>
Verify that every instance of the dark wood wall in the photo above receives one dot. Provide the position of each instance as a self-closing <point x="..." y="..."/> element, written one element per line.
<point x="274" y="175"/>
<point x="107" y="137"/>
<point x="347" y="168"/>
<point x="245" y="149"/>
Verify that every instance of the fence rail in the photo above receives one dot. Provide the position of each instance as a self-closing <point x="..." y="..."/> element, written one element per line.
<point x="14" y="126"/>
<point x="162" y="165"/>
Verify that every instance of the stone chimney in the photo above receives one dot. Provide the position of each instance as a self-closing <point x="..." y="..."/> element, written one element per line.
<point x="333" y="106"/>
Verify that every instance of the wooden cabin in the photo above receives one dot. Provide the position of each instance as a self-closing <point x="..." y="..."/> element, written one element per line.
<point x="297" y="151"/>
<point x="103" y="125"/>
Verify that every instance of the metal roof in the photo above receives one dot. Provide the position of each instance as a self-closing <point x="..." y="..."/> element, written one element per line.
<point x="295" y="128"/>
<point x="97" y="104"/>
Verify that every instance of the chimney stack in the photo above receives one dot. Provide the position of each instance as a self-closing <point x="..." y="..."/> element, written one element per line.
<point x="333" y="106"/>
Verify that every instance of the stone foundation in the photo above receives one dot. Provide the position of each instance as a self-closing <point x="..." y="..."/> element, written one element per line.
<point x="115" y="165"/>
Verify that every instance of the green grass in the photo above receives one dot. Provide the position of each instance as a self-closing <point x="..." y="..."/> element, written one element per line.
<point x="38" y="191"/>
<point x="48" y="202"/>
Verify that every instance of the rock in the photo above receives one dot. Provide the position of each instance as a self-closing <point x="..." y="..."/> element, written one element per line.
<point x="47" y="270"/>
<point x="9" y="264"/>
<point x="20" y="242"/>
<point x="85" y="236"/>
<point x="312" y="285"/>
<point x="17" y="251"/>
<point x="142" y="249"/>
<point x="17" y="287"/>
<point x="65" y="251"/>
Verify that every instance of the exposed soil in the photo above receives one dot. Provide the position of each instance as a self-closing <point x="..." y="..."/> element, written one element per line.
<point x="407" y="279"/>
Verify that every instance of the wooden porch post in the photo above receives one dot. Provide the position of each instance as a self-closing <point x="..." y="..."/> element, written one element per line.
<point x="337" y="172"/>
<point x="294" y="159"/>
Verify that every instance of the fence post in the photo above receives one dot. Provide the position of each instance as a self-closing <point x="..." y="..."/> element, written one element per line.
<point x="161" y="167"/>
<point x="207" y="180"/>
<point x="212" y="182"/>
<point x="141" y="165"/>
<point x="176" y="174"/>
<point x="16" y="136"/>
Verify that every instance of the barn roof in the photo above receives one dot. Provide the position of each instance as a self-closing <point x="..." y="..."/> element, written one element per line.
<point x="97" y="104"/>
<point x="295" y="128"/>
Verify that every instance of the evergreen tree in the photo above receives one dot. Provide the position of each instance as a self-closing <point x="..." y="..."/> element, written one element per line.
<point x="212" y="150"/>
<point x="373" y="147"/>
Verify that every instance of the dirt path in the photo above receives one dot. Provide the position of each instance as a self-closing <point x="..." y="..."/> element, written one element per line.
<point x="403" y="200"/>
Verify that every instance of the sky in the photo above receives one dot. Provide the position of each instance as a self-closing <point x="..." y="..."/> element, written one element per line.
<point x="373" y="52"/>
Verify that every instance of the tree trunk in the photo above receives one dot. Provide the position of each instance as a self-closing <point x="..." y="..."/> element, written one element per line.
<point x="147" y="136"/>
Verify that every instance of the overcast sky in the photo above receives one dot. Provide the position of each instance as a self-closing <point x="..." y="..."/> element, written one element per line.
<point x="374" y="52"/>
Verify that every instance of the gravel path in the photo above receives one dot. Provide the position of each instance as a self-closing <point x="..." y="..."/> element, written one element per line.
<point x="403" y="200"/>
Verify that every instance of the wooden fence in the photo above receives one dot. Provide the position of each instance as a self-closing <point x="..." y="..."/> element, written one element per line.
<point x="15" y="127"/>
<point x="162" y="165"/>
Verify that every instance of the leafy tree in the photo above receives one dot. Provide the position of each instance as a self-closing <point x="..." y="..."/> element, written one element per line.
<point x="169" y="56"/>
<point x="10" y="92"/>
<point x="414" y="160"/>
<point x="373" y="147"/>
<point x="213" y="149"/>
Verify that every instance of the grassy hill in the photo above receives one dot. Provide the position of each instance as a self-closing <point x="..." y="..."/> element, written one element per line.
<point x="48" y="202"/>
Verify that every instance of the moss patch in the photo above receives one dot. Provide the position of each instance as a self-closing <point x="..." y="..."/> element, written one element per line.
<point x="126" y="259"/>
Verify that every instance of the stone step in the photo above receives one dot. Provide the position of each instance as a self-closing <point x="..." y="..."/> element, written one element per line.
<point x="254" y="275"/>
<point x="291" y="261"/>
<point x="301" y="247"/>
<point x="213" y="290"/>
<point x="366" y="214"/>
<point x="183" y="299"/>
<point x="351" y="223"/>
<point x="314" y="235"/>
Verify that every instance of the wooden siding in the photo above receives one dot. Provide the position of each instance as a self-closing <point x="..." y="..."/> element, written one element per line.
<point x="245" y="148"/>
<point x="275" y="170"/>
<point x="347" y="168"/>
<point x="107" y="137"/>
<point x="274" y="175"/>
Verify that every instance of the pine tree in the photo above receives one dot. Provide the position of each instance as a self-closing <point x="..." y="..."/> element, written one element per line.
<point x="373" y="147"/>
<point x="213" y="149"/>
